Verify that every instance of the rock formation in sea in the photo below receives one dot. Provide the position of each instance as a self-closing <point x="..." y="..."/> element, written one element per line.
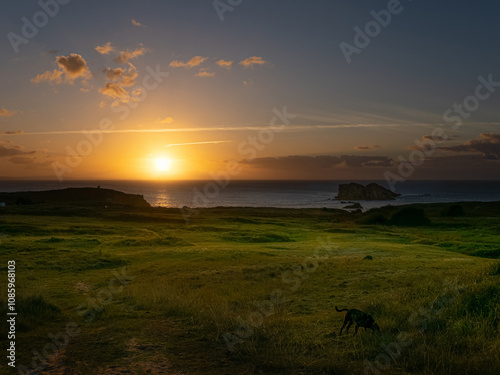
<point x="370" y="192"/>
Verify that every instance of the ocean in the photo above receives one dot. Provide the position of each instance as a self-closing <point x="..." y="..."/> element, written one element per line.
<point x="289" y="194"/>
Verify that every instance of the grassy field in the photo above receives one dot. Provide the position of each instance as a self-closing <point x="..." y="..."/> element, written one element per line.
<point x="244" y="291"/>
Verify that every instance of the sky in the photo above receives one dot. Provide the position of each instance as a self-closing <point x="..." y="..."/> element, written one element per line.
<point x="253" y="89"/>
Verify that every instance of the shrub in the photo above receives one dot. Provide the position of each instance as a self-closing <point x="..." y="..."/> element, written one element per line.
<point x="495" y="270"/>
<point x="453" y="211"/>
<point x="410" y="217"/>
<point x="481" y="302"/>
<point x="374" y="219"/>
<point x="35" y="311"/>
<point x="37" y="307"/>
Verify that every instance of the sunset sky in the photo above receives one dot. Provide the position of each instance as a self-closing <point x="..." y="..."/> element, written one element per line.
<point x="181" y="88"/>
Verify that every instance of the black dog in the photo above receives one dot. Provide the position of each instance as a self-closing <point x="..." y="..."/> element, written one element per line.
<point x="361" y="319"/>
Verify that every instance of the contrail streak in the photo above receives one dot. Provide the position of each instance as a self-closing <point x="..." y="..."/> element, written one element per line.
<point x="195" y="143"/>
<point x="183" y="130"/>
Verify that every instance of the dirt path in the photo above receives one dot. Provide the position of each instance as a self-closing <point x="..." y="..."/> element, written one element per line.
<point x="164" y="348"/>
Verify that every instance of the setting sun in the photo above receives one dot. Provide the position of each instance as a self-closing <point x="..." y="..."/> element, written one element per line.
<point x="162" y="164"/>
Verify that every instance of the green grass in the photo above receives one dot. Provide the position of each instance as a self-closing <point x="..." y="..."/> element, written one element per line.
<point x="189" y="285"/>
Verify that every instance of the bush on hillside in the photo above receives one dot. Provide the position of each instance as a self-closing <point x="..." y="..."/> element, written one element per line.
<point x="410" y="217"/>
<point x="454" y="211"/>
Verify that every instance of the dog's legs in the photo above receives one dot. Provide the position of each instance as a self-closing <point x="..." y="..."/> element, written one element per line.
<point x="343" y="325"/>
<point x="348" y="326"/>
<point x="356" y="330"/>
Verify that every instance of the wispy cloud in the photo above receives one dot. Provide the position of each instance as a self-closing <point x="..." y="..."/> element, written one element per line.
<point x="204" y="73"/>
<point x="117" y="80"/>
<point x="54" y="77"/>
<point x="488" y="145"/>
<point x="305" y="163"/>
<point x="166" y="120"/>
<point x="136" y="23"/>
<point x="124" y="56"/>
<point x="114" y="74"/>
<point x="367" y="148"/>
<point x="226" y="64"/>
<point x="13" y="133"/>
<point x="251" y="61"/>
<point x="195" y="61"/>
<point x="105" y="49"/>
<point x="195" y="143"/>
<point x="30" y="161"/>
<point x="8" y="149"/>
<point x="6" y="113"/>
<point x="115" y="91"/>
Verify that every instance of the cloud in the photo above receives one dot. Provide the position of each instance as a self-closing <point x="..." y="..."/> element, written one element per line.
<point x="105" y="49"/>
<point x="118" y="79"/>
<point x="195" y="61"/>
<point x="435" y="138"/>
<point x="204" y="73"/>
<point x="73" y="66"/>
<point x="432" y="140"/>
<point x="488" y="145"/>
<point x="366" y="161"/>
<point x="225" y="64"/>
<point x="114" y="74"/>
<point x="304" y="163"/>
<point x="137" y="92"/>
<point x="115" y="91"/>
<point x="166" y="120"/>
<point x="124" y="56"/>
<point x="9" y="151"/>
<point x="124" y="78"/>
<point x="53" y="77"/>
<point x="196" y="143"/>
<point x="6" y="113"/>
<point x="128" y="79"/>
<point x="251" y="61"/>
<point x="248" y="82"/>
<point x="17" y="154"/>
<point x="367" y="148"/>
<point x="136" y="23"/>
<point x="29" y="161"/>
<point x="13" y="133"/>
<point x="13" y="150"/>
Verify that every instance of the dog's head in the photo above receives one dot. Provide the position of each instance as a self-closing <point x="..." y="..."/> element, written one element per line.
<point x="375" y="327"/>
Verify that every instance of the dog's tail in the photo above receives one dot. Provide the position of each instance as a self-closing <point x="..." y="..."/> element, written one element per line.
<point x="341" y="310"/>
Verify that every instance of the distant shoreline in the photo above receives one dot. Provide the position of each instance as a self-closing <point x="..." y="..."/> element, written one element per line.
<point x="276" y="193"/>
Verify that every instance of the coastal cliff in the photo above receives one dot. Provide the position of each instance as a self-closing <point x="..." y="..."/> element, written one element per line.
<point x="75" y="196"/>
